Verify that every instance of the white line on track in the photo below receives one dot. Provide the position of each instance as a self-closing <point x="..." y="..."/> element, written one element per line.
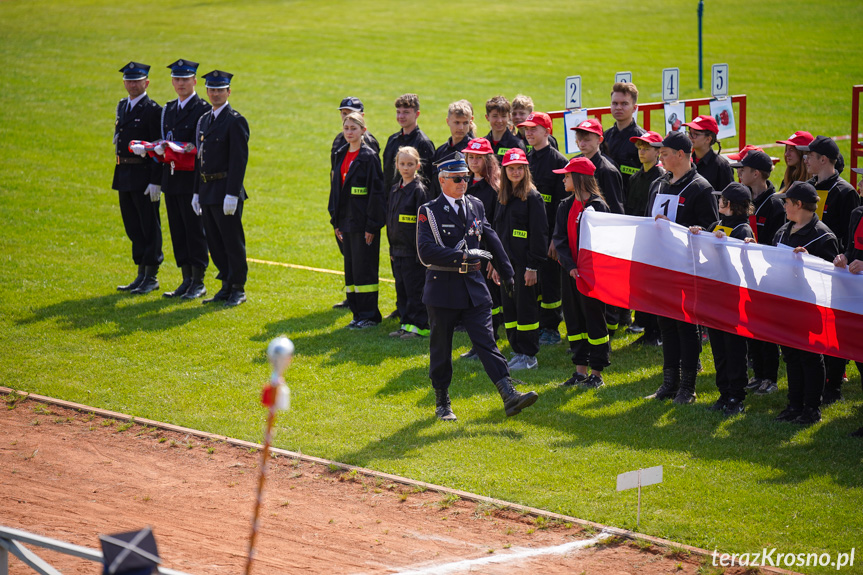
<point x="307" y="268"/>
<point x="518" y="555"/>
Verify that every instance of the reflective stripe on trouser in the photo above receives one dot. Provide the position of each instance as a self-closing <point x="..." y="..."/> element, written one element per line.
<point x="585" y="326"/>
<point x="361" y="275"/>
<point x="414" y="329"/>
<point x="410" y="276"/>
<point x="521" y="316"/>
<point x="550" y="311"/>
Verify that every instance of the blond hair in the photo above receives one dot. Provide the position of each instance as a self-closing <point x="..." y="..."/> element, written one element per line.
<point x="465" y="109"/>
<point x="356" y="118"/>
<point x="522" y="102"/>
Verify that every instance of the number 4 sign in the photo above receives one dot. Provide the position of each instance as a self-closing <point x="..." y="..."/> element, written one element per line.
<point x="720" y="81"/>
<point x="573" y="93"/>
<point x="670" y="84"/>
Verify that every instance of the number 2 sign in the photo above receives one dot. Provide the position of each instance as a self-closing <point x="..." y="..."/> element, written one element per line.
<point x="573" y="93"/>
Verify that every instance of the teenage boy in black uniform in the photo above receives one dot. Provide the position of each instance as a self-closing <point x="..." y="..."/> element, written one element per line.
<point x="522" y="107"/>
<point x="223" y="152"/>
<point x="683" y="196"/>
<point x="449" y="231"/>
<point x="179" y="120"/>
<point x="543" y="161"/>
<point x="617" y="140"/>
<point x="703" y="132"/>
<point x="836" y="200"/>
<point x="138" y="179"/>
<point x="498" y="112"/>
<point x="768" y="216"/>
<point x="807" y="234"/>
<point x="407" y="112"/>
<point x="459" y="119"/>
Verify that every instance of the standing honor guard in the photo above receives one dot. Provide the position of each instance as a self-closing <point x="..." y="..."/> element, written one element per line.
<point x="138" y="179"/>
<point x="222" y="136"/>
<point x="449" y="231"/>
<point x="179" y="120"/>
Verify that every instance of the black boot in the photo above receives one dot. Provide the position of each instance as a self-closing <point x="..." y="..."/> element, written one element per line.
<point x="150" y="282"/>
<point x="670" y="383"/>
<point x="514" y="401"/>
<point x="135" y="282"/>
<point x="442" y="406"/>
<point x="183" y="287"/>
<point x="686" y="393"/>
<point x="196" y="287"/>
<point x="221" y="295"/>
<point x="237" y="296"/>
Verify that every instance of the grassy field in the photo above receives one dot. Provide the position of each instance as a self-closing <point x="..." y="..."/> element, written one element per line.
<point x="737" y="485"/>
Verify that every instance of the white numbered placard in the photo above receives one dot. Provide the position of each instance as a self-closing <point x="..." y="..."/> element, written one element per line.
<point x="670" y="84"/>
<point x="665" y="205"/>
<point x="719" y="87"/>
<point x="573" y="93"/>
<point x="572" y="118"/>
<point x="623" y="77"/>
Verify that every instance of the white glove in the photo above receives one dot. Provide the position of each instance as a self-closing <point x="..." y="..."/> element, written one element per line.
<point x="154" y="192"/>
<point x="138" y="149"/>
<point x="160" y="149"/>
<point x="196" y="204"/>
<point x="230" y="205"/>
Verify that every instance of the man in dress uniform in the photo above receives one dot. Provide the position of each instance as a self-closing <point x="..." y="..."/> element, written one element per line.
<point x="223" y="152"/>
<point x="179" y="120"/>
<point x="449" y="231"/>
<point x="138" y="179"/>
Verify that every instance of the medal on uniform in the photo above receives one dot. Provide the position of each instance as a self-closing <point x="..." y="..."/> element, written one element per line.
<point x="446" y="208"/>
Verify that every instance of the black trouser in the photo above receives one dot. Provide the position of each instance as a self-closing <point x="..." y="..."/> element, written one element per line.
<point x="521" y="316"/>
<point x="227" y="243"/>
<point x="835" y="373"/>
<point x="496" y="306"/>
<point x="143" y="225"/>
<point x="765" y="359"/>
<point x="410" y="276"/>
<point x="681" y="344"/>
<point x="805" y="377"/>
<point x="361" y="274"/>
<point x="586" y="329"/>
<point x="550" y="308"/>
<point x="477" y="323"/>
<point x="187" y="231"/>
<point x="650" y="324"/>
<point x="729" y="358"/>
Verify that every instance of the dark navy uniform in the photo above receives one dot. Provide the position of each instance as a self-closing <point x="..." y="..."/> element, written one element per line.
<point x="416" y="139"/>
<point x="187" y="228"/>
<point x="409" y="273"/>
<point x="715" y="169"/>
<point x="623" y="153"/>
<point x="444" y="152"/>
<point x="220" y="168"/>
<point x="483" y="191"/>
<point x="132" y="175"/>
<point x="610" y="182"/>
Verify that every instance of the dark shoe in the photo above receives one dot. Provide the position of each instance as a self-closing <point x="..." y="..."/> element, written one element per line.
<point x="460" y="328"/>
<point x="789" y="413"/>
<point x="237" y="296"/>
<point x="514" y="401"/>
<point x="733" y="407"/>
<point x="754" y="383"/>
<point x="594" y="381"/>
<point x="576" y="379"/>
<point x="686" y="393"/>
<point x="648" y="341"/>
<point x="183" y="287"/>
<point x="858" y="433"/>
<point x="393" y="315"/>
<point x="150" y="282"/>
<point x="831" y="396"/>
<point x="341" y="304"/>
<point x="352" y="324"/>
<point x="135" y="282"/>
<point x="410" y="335"/>
<point x="635" y="328"/>
<point x="809" y="416"/>
<point x="549" y="337"/>
<point x="196" y="288"/>
<point x="719" y="405"/>
<point x="221" y="295"/>
<point x="443" y="410"/>
<point x="699" y="367"/>
<point x="670" y="384"/>
<point x="397" y="333"/>
<point x="768" y="386"/>
<point x="470" y="355"/>
<point x="364" y="323"/>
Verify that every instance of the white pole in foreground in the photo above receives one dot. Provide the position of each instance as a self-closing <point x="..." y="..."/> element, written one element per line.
<point x="275" y="396"/>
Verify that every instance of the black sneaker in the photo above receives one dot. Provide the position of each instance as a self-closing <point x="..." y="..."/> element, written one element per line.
<point x="364" y="323"/>
<point x="576" y="379"/>
<point x="341" y="304"/>
<point x="393" y="314"/>
<point x="648" y="341"/>
<point x="789" y="413"/>
<point x="768" y="386"/>
<point x="754" y="383"/>
<point x="719" y="405"/>
<point x="858" y="433"/>
<point x="594" y="381"/>
<point x="809" y="416"/>
<point x="733" y="407"/>
<point x="831" y="396"/>
<point x="470" y="355"/>
<point x="635" y="328"/>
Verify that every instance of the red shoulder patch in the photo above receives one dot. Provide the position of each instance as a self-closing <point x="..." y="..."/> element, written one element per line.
<point x="422" y="218"/>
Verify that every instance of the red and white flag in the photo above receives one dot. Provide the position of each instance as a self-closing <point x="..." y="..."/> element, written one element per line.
<point x="764" y="292"/>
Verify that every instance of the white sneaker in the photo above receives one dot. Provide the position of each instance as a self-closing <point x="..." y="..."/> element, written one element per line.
<point x="516" y="357"/>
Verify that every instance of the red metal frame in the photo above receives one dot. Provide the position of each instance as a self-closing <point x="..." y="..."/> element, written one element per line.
<point x="693" y="105"/>
<point x="856" y="148"/>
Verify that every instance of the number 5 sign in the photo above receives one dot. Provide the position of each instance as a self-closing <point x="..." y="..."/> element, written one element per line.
<point x="670" y="84"/>
<point x="720" y="81"/>
<point x="573" y="93"/>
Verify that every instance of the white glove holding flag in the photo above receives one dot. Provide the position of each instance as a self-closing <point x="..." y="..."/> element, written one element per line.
<point x="196" y="204"/>
<point x="230" y="205"/>
<point x="154" y="192"/>
<point x="160" y="149"/>
<point x="138" y="149"/>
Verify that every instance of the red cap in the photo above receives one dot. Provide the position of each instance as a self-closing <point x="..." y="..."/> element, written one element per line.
<point x="648" y="138"/>
<point x="478" y="146"/>
<point x="514" y="156"/>
<point x="737" y="156"/>
<point x="705" y="123"/>
<point x="579" y="165"/>
<point x="591" y="125"/>
<point x="538" y="119"/>
<point x="799" y="138"/>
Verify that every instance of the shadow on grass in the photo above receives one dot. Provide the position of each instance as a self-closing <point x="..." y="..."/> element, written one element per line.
<point x="105" y="312"/>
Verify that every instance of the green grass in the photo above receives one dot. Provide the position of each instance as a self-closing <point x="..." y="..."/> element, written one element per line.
<point x="737" y="485"/>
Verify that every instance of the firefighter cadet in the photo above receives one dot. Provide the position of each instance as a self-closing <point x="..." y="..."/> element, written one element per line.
<point x="449" y="231"/>
<point x="179" y="120"/>
<point x="137" y="179"/>
<point x="223" y="152"/>
<point x="617" y="143"/>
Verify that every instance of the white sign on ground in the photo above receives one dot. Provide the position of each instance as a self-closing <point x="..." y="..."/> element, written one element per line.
<point x="639" y="478"/>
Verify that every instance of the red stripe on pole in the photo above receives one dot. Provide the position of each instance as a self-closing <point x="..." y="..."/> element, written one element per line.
<point x="731" y="308"/>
